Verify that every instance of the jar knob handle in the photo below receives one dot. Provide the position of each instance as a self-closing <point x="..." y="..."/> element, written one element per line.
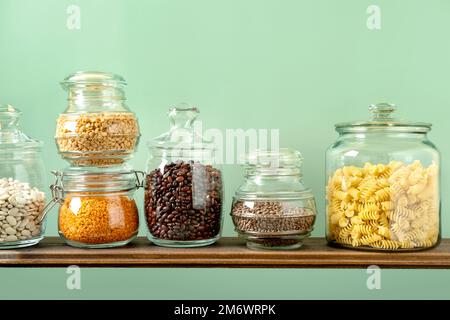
<point x="382" y="111"/>
<point x="183" y="115"/>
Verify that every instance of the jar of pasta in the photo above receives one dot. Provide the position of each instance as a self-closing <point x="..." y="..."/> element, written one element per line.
<point x="97" y="208"/>
<point x="97" y="128"/>
<point x="383" y="184"/>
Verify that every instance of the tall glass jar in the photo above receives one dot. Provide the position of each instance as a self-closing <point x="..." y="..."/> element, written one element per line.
<point x="383" y="184"/>
<point x="97" y="128"/>
<point x="183" y="196"/>
<point x="97" y="207"/>
<point x="22" y="180"/>
<point x="273" y="209"/>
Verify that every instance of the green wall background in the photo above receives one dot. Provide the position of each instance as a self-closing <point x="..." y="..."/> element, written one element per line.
<point x="300" y="66"/>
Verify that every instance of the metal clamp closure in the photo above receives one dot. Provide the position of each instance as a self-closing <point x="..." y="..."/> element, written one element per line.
<point x="57" y="196"/>
<point x="140" y="179"/>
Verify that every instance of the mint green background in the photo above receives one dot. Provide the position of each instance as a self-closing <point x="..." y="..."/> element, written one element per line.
<point x="300" y="66"/>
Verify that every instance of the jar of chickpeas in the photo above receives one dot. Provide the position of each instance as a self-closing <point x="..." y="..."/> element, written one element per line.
<point x="383" y="184"/>
<point x="97" y="129"/>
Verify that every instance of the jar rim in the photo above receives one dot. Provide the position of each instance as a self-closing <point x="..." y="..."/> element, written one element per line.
<point x="93" y="77"/>
<point x="276" y="158"/>
<point x="102" y="180"/>
<point x="305" y="194"/>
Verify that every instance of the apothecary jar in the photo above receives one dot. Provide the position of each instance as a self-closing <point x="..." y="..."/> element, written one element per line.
<point x="97" y="128"/>
<point x="184" y="188"/>
<point x="273" y="209"/>
<point x="22" y="181"/>
<point x="383" y="184"/>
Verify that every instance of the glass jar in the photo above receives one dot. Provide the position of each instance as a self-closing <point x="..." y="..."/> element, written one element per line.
<point x="383" y="184"/>
<point x="22" y="177"/>
<point x="97" y="208"/>
<point x="183" y="196"/>
<point x="97" y="128"/>
<point x="273" y="209"/>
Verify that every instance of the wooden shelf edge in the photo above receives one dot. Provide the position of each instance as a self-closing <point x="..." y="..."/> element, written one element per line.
<point x="227" y="253"/>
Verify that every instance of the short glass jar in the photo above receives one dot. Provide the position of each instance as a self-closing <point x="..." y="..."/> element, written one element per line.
<point x="22" y="180"/>
<point x="273" y="209"/>
<point x="97" y="208"/>
<point x="97" y="128"/>
<point x="184" y="191"/>
<point x="383" y="184"/>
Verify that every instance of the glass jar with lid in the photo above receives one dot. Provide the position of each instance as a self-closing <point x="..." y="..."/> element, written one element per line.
<point x="97" y="207"/>
<point x="383" y="184"/>
<point x="97" y="128"/>
<point x="184" y="193"/>
<point x="273" y="209"/>
<point x="22" y="177"/>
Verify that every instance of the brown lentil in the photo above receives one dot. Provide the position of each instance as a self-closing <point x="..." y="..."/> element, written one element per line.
<point x="271" y="223"/>
<point x="98" y="219"/>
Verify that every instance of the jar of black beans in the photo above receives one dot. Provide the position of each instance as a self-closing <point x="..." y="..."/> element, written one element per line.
<point x="183" y="204"/>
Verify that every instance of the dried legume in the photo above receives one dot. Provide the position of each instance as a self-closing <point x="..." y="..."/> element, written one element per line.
<point x="272" y="223"/>
<point x="184" y="202"/>
<point x="97" y="138"/>
<point x="20" y="205"/>
<point x="98" y="219"/>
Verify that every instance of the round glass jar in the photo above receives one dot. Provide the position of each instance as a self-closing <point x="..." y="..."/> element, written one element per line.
<point x="383" y="184"/>
<point x="273" y="209"/>
<point x="184" y="193"/>
<point x="22" y="177"/>
<point x="97" y="128"/>
<point x="97" y="208"/>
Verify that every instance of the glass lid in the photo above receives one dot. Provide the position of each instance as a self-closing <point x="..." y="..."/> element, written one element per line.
<point x="185" y="132"/>
<point x="94" y="78"/>
<point x="11" y="136"/>
<point x="383" y="120"/>
<point x="273" y="175"/>
<point x="281" y="158"/>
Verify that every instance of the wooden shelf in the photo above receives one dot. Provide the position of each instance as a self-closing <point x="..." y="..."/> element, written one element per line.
<point x="227" y="253"/>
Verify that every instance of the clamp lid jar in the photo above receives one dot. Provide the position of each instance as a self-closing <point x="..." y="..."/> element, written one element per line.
<point x="97" y="208"/>
<point x="22" y="179"/>
<point x="97" y="128"/>
<point x="383" y="184"/>
<point x="184" y="192"/>
<point x="273" y="209"/>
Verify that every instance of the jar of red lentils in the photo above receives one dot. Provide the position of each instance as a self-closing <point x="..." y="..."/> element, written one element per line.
<point x="97" y="208"/>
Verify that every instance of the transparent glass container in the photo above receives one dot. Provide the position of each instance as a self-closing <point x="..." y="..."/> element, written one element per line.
<point x="383" y="184"/>
<point x="97" y="128"/>
<point x="22" y="179"/>
<point x="97" y="208"/>
<point x="184" y="191"/>
<point x="272" y="208"/>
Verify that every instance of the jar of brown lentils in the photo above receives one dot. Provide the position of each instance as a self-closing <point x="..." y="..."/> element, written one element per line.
<point x="97" y="208"/>
<point x="273" y="209"/>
